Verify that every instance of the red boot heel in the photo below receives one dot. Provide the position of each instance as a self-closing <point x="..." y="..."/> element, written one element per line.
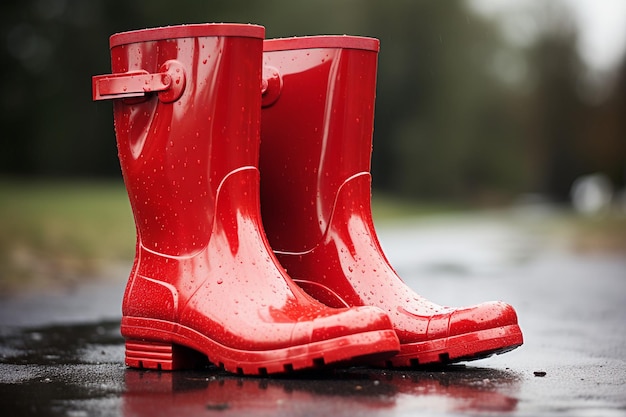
<point x="162" y="356"/>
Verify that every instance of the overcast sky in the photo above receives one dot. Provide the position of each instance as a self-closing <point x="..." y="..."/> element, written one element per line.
<point x="602" y="24"/>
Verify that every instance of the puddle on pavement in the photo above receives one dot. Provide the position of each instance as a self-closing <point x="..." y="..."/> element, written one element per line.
<point x="78" y="371"/>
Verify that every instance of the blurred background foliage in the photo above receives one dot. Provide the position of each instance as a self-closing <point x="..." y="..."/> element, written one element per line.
<point x="464" y="115"/>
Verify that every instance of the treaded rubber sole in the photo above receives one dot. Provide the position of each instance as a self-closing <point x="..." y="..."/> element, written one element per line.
<point x="161" y="345"/>
<point x="460" y="348"/>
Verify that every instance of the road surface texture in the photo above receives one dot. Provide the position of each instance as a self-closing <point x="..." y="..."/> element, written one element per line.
<point x="61" y="353"/>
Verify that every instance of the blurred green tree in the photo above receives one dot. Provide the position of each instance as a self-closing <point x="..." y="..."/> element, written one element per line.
<point x="604" y="133"/>
<point x="443" y="127"/>
<point x="453" y="120"/>
<point x="555" y="108"/>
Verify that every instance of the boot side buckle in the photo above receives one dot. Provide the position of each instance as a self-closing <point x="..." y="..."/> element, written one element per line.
<point x="169" y="83"/>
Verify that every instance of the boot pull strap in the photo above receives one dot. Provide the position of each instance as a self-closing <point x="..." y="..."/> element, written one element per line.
<point x="271" y="86"/>
<point x="169" y="83"/>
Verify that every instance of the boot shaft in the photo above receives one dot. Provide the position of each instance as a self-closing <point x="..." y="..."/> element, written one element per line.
<point x="317" y="128"/>
<point x="197" y="122"/>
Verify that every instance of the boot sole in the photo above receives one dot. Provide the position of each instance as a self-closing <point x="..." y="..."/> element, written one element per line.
<point x="461" y="348"/>
<point x="166" y="346"/>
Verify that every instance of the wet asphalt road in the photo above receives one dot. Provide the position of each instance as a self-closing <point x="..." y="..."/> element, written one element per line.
<point x="61" y="353"/>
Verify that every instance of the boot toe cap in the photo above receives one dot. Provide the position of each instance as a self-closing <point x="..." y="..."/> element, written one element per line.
<point x="483" y="316"/>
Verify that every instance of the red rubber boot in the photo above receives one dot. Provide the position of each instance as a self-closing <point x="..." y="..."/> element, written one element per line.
<point x="316" y="142"/>
<point x="187" y="115"/>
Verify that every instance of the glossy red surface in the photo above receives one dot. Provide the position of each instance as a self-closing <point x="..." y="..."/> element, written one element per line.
<point x="204" y="277"/>
<point x="316" y="144"/>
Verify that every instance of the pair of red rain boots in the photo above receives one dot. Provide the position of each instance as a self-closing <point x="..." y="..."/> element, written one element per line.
<point x="306" y="284"/>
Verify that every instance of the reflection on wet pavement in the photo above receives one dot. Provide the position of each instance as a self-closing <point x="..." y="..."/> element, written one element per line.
<point x="61" y="353"/>
<point x="78" y="370"/>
